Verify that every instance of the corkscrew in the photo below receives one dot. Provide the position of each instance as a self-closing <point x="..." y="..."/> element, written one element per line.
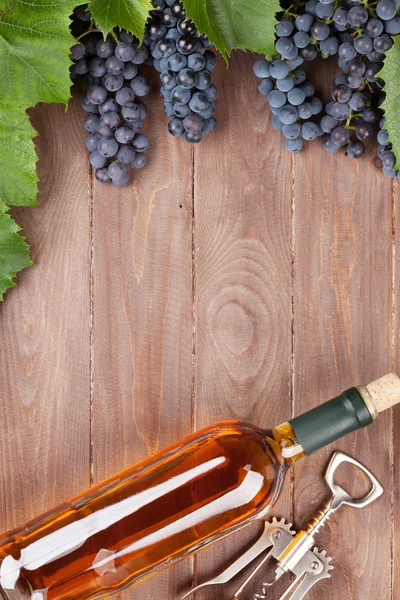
<point x="295" y="552"/>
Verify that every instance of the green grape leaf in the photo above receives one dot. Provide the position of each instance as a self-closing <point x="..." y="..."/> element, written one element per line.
<point x="126" y="14"/>
<point x="35" y="41"/>
<point x="18" y="179"/>
<point x="391" y="105"/>
<point x="229" y="24"/>
<point x="14" y="251"/>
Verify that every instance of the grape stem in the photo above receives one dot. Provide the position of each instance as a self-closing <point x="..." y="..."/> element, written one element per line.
<point x="90" y="30"/>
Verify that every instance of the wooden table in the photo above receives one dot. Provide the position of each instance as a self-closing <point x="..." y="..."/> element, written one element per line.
<point x="231" y="280"/>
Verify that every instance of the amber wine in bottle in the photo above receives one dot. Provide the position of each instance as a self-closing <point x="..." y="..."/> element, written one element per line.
<point x="174" y="503"/>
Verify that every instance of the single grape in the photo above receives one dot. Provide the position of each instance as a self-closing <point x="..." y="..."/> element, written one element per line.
<point x="383" y="43"/>
<point x="276" y="123"/>
<point x="383" y="137"/>
<point x="341" y="93"/>
<point x="291" y="131"/>
<point x="295" y="62"/>
<point x="186" y="44"/>
<point x="310" y="130"/>
<point x="388" y="160"/>
<point x="316" y="105"/>
<point x="166" y="47"/>
<point x="91" y="141"/>
<point x="140" y="142"/>
<point x="211" y="60"/>
<point x="305" y="110"/>
<point x="339" y="79"/>
<point x="294" y="145"/>
<point x="168" y="80"/>
<point x="358" y="101"/>
<point x="105" y="48"/>
<point x="82" y="13"/>
<point x="373" y="28"/>
<point x="386" y="9"/>
<point x="124" y="51"/>
<point x="116" y="171"/>
<point x="330" y="46"/>
<point x="279" y="69"/>
<point x="357" y="67"/>
<point x="324" y="11"/>
<point x="89" y="106"/>
<point x="354" y="81"/>
<point x="110" y="119"/>
<point x="284" y="28"/>
<point x="288" y="114"/>
<point x="209" y="125"/>
<point x="309" y="52"/>
<point x="371" y="115"/>
<point x="357" y="16"/>
<point x="265" y="86"/>
<point x="124" y="96"/>
<point x="193" y="138"/>
<point x="298" y="76"/>
<point x="97" y="160"/>
<point x="328" y="123"/>
<point x="193" y="123"/>
<point x="107" y="106"/>
<point x="173" y="33"/>
<point x="180" y="95"/>
<point x="199" y="102"/>
<point x="374" y="56"/>
<point x="283" y="45"/>
<point x="130" y="71"/>
<point x="347" y="51"/>
<point x="81" y="66"/>
<point x="301" y="39"/>
<point x="121" y="182"/>
<point x="156" y="30"/>
<point x="363" y="44"/>
<point x="340" y="111"/>
<point x="296" y="96"/>
<point x="186" y="78"/>
<point x="340" y="136"/>
<point x="304" y="22"/>
<point x="169" y="109"/>
<point x="130" y="112"/>
<point x="77" y="51"/>
<point x="276" y="98"/>
<point x="102" y="175"/>
<point x="340" y="16"/>
<point x="372" y="71"/>
<point x="139" y="161"/>
<point x="284" y="85"/>
<point x="197" y="62"/>
<point x="392" y="27"/>
<point x="168" y="18"/>
<point x="320" y="31"/>
<point x="176" y="62"/>
<point x="114" y="65"/>
<point x="126" y="155"/>
<point x="104" y="131"/>
<point x="310" y="7"/>
<point x="330" y="146"/>
<point x="355" y="149"/>
<point x="211" y="92"/>
<point x="186" y="27"/>
<point x="124" y="134"/>
<point x="178" y="10"/>
<point x="182" y="110"/>
<point x="203" y="80"/>
<point x="140" y="86"/>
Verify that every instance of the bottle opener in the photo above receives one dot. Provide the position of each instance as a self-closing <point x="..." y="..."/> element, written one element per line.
<point x="291" y="551"/>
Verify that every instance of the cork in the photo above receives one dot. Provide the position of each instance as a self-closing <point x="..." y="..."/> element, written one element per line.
<point x="384" y="392"/>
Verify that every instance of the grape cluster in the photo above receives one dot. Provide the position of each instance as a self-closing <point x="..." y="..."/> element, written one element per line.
<point x="184" y="61"/>
<point x="114" y="87"/>
<point x="359" y="35"/>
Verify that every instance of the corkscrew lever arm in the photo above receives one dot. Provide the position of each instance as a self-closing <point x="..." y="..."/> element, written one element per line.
<point x="262" y="544"/>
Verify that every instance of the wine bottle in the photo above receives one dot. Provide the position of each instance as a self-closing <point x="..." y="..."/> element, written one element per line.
<point x="174" y="503"/>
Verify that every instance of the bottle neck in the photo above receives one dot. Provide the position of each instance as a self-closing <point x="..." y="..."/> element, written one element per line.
<point x="324" y="425"/>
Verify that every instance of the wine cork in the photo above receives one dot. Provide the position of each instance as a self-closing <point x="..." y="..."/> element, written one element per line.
<point x="384" y="392"/>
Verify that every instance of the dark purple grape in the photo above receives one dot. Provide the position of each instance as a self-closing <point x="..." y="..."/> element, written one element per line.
<point x="175" y="127"/>
<point x="102" y="175"/>
<point x="186" y="44"/>
<point x="105" y="48"/>
<point x="140" y="142"/>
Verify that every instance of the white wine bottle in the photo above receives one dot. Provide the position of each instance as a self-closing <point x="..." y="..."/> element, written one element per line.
<point x="174" y="503"/>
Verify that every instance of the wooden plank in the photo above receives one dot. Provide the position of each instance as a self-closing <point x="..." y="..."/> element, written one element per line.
<point x="342" y="336"/>
<point x="142" y="316"/>
<point x="243" y="277"/>
<point x="44" y="328"/>
<point x="396" y="416"/>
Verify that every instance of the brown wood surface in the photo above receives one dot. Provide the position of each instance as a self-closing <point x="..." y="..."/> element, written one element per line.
<point x="230" y="280"/>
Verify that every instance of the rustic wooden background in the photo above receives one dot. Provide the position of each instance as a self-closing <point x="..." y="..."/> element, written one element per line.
<point x="231" y="280"/>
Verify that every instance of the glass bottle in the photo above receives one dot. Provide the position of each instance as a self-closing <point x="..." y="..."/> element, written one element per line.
<point x="174" y="503"/>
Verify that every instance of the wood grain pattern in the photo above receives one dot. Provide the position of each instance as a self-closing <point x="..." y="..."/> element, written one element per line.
<point x="44" y="324"/>
<point x="243" y="276"/>
<point x="142" y="316"/>
<point x="342" y="337"/>
<point x="199" y="294"/>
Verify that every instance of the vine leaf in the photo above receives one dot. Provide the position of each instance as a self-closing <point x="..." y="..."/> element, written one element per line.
<point x="35" y="41"/>
<point x="229" y="24"/>
<point x="391" y="105"/>
<point x="18" y="179"/>
<point x="126" y="14"/>
<point x="14" y="251"/>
